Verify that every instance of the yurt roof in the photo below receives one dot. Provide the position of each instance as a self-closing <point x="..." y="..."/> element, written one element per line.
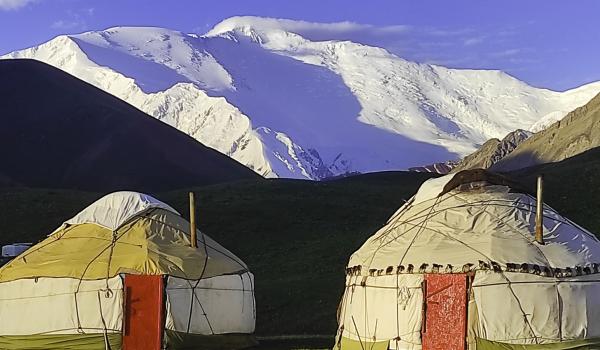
<point x="475" y="220"/>
<point x="115" y="209"/>
<point x="124" y="232"/>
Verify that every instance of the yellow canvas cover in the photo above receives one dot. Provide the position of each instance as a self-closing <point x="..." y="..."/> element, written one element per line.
<point x="154" y="241"/>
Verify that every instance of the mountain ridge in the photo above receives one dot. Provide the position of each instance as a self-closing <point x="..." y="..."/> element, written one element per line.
<point x="286" y="106"/>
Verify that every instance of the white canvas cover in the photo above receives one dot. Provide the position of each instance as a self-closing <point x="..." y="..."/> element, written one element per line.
<point x="523" y="292"/>
<point x="222" y="304"/>
<point x="384" y="308"/>
<point x="521" y="308"/>
<point x="486" y="224"/>
<point x="115" y="209"/>
<point x="61" y="306"/>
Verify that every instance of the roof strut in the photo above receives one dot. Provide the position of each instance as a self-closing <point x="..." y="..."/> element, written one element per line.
<point x="539" y="212"/>
<point x="193" y="240"/>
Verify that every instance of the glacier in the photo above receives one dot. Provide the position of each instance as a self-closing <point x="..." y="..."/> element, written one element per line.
<point x="278" y="97"/>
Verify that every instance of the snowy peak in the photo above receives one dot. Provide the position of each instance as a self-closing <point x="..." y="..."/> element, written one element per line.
<point x="252" y="25"/>
<point x="158" y="58"/>
<point x="281" y="98"/>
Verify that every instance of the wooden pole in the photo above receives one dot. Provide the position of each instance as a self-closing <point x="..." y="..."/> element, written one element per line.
<point x="193" y="239"/>
<point x="539" y="212"/>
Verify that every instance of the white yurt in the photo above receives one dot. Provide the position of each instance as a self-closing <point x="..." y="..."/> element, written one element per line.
<point x="459" y="267"/>
<point x="123" y="274"/>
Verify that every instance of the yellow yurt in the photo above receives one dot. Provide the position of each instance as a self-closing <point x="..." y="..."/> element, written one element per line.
<point x="123" y="274"/>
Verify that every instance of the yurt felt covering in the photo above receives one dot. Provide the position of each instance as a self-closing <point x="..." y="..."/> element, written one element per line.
<point x="67" y="291"/>
<point x="523" y="295"/>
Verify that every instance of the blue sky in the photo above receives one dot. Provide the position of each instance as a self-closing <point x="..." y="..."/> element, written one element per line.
<point x="552" y="44"/>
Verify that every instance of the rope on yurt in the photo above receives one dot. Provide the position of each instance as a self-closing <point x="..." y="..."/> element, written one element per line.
<point x="111" y="245"/>
<point x="106" y="342"/>
<point x="510" y="204"/>
<point x="243" y="291"/>
<point x="358" y="334"/>
<point x="420" y="230"/>
<point x="560" y="311"/>
<point x="566" y="220"/>
<point x="233" y="258"/>
<point x="193" y="287"/>
<point x="110" y="255"/>
<point x="340" y="319"/>
<point x="252" y="289"/>
<point x="374" y="334"/>
<point x="486" y="203"/>
<point x="381" y="245"/>
<point x="403" y="208"/>
<point x="366" y="313"/>
<point x="343" y="305"/>
<point x="241" y="275"/>
<point x="509" y="282"/>
<point x="194" y="296"/>
<point x="526" y="207"/>
<point x="524" y="314"/>
<point x="501" y="221"/>
<point x="397" y="223"/>
<point x="397" y="339"/>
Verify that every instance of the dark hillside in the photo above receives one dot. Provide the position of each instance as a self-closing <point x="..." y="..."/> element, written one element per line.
<point x="60" y="132"/>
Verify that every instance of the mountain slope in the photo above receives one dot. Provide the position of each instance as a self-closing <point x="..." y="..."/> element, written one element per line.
<point x="576" y="133"/>
<point x="493" y="151"/>
<point x="60" y="132"/>
<point x="287" y="106"/>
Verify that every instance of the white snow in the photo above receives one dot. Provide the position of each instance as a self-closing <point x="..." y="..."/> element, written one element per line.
<point x="547" y="120"/>
<point x="286" y="106"/>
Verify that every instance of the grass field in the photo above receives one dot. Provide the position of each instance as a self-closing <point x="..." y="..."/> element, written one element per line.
<point x="296" y="236"/>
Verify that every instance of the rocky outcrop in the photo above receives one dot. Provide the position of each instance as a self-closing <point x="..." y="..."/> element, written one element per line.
<point x="493" y="151"/>
<point x="576" y="133"/>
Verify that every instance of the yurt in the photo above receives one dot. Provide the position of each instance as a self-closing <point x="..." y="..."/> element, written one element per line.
<point x="459" y="266"/>
<point x="124" y="274"/>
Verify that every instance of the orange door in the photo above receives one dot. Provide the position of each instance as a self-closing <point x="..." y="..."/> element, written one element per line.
<point x="143" y="314"/>
<point x="445" y="312"/>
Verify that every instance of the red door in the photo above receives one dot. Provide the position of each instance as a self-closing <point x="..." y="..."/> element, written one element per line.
<point x="445" y="312"/>
<point x="143" y="314"/>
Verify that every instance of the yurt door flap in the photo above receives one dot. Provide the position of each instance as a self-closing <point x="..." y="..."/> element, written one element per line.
<point x="143" y="312"/>
<point x="445" y="312"/>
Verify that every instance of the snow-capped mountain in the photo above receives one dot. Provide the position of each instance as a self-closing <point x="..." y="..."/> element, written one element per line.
<point x="286" y="106"/>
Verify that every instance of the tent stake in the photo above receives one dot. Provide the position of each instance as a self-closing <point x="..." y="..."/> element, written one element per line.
<point x="194" y="242"/>
<point x="539" y="212"/>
